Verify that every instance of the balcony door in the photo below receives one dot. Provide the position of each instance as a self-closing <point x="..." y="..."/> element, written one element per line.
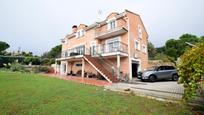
<point x="93" y="48"/>
<point x="112" y="45"/>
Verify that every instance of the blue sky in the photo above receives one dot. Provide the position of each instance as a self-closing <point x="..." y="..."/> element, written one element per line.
<point x="38" y="25"/>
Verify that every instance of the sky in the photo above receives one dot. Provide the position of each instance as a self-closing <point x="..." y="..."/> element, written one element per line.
<point x="38" y="25"/>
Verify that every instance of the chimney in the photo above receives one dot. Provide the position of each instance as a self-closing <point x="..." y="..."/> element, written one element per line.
<point x="74" y="29"/>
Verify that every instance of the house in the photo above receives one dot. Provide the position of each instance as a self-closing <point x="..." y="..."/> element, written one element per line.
<point x="115" y="48"/>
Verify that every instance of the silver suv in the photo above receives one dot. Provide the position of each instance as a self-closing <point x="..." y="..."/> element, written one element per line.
<point x="159" y="73"/>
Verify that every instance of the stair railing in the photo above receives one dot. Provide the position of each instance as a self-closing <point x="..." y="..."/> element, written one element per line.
<point x="105" y="63"/>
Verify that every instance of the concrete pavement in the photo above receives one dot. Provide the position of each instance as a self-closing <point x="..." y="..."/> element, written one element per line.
<point x="160" y="89"/>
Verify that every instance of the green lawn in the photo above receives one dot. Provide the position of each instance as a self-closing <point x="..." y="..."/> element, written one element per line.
<point x="36" y="94"/>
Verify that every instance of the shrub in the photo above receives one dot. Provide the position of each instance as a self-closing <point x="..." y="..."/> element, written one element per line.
<point x="40" y="69"/>
<point x="164" y="57"/>
<point x="17" y="67"/>
<point x="43" y="69"/>
<point x="191" y="71"/>
<point x="33" y="60"/>
<point x="10" y="59"/>
<point x="47" y="61"/>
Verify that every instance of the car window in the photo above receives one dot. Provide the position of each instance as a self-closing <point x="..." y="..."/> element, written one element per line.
<point x="169" y="67"/>
<point x="161" y="68"/>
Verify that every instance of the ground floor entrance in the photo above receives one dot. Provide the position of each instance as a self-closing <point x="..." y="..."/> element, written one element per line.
<point x="135" y="66"/>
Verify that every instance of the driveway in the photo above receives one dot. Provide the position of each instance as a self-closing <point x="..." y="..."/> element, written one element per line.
<point x="160" y="89"/>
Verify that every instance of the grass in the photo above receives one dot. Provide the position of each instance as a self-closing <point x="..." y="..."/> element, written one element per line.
<point x="36" y="94"/>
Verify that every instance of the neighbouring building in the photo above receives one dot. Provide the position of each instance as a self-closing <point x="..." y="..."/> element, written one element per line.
<point x="115" y="48"/>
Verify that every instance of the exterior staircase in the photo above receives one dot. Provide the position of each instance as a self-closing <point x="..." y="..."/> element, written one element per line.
<point x="99" y="67"/>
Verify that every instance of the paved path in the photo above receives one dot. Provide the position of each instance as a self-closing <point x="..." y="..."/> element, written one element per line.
<point x="161" y="89"/>
<point x="90" y="81"/>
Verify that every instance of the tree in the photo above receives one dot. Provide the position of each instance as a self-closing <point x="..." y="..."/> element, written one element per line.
<point x="176" y="47"/>
<point x="33" y="60"/>
<point x="151" y="50"/>
<point x="163" y="57"/>
<point x="171" y="48"/>
<point x="48" y="58"/>
<point x="29" y="54"/>
<point x="160" y="49"/>
<point x="191" y="71"/>
<point x="202" y="39"/>
<point x="3" y="46"/>
<point x="55" y="52"/>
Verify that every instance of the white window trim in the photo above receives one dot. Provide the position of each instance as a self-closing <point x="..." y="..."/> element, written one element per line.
<point x="138" y="41"/>
<point x="139" y="30"/>
<point x="110" y="20"/>
<point x="140" y="64"/>
<point x="81" y="44"/>
<point x="144" y="48"/>
<point x="115" y="39"/>
<point x="118" y="38"/>
<point x="80" y="33"/>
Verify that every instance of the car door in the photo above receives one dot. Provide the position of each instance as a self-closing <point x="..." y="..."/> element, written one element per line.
<point x="168" y="71"/>
<point x="160" y="72"/>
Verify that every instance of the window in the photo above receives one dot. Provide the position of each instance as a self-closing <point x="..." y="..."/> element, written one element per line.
<point x="111" y="24"/>
<point x="169" y="68"/>
<point x="161" y="68"/>
<point x="112" y="44"/>
<point x="137" y="45"/>
<point x="80" y="33"/>
<point x="139" y="32"/>
<point x="80" y="50"/>
<point x="78" y="64"/>
<point x="144" y="48"/>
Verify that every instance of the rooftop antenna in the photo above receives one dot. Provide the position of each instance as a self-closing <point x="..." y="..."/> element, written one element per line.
<point x="99" y="15"/>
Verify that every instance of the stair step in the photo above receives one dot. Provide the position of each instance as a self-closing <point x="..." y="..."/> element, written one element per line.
<point x="100" y="68"/>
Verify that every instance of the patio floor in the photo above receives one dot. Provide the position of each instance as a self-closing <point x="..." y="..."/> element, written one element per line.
<point x="90" y="81"/>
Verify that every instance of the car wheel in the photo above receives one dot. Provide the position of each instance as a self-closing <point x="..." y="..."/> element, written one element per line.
<point x="175" y="77"/>
<point x="152" y="78"/>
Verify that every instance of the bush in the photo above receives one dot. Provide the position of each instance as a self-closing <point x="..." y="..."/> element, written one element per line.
<point x="17" y="67"/>
<point x="40" y="69"/>
<point x="191" y="71"/>
<point x="164" y="58"/>
<point x="33" y="60"/>
<point x="43" y="69"/>
<point x="10" y="59"/>
<point x="47" y="61"/>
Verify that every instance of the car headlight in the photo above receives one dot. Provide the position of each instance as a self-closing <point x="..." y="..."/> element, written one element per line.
<point x="146" y="75"/>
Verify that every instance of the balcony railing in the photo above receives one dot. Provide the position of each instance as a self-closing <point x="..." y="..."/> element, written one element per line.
<point x="109" y="48"/>
<point x="110" y="33"/>
<point x="80" y="50"/>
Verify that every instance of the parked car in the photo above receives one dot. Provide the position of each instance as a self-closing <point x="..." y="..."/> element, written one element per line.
<point x="159" y="73"/>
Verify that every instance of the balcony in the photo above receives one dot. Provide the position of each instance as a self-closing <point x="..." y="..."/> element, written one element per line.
<point x="110" y="33"/>
<point x="110" y="49"/>
<point x="77" y="51"/>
